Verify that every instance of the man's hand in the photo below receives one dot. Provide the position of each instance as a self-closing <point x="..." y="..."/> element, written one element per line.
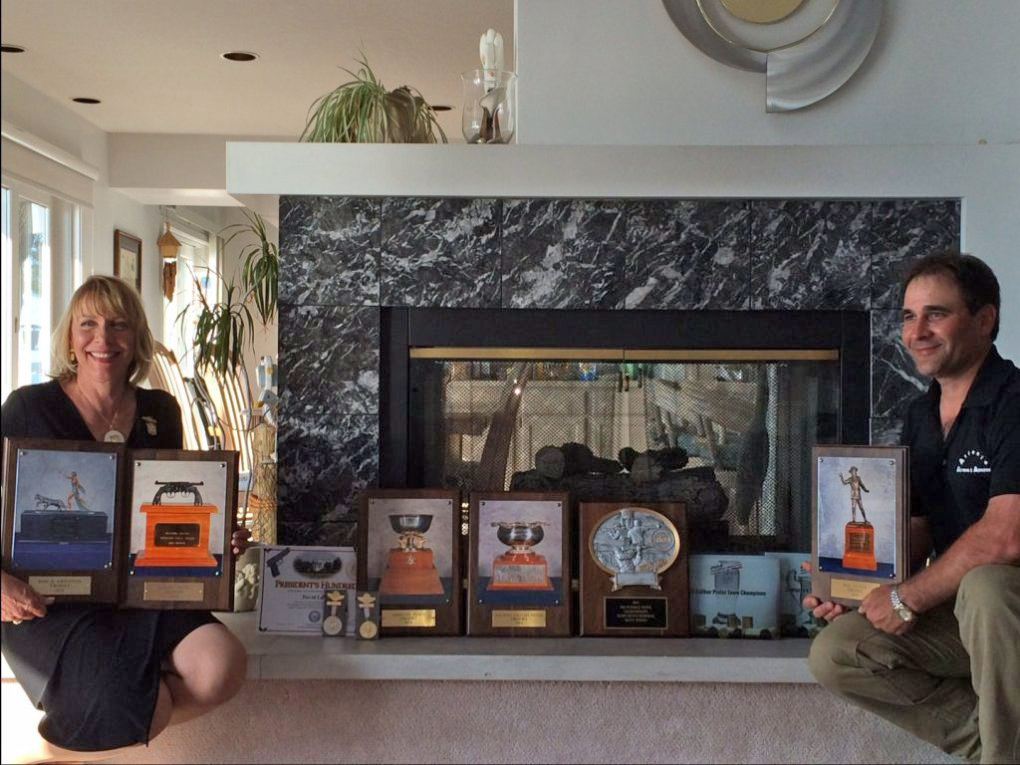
<point x="877" y="609"/>
<point x="19" y="601"/>
<point x="823" y="610"/>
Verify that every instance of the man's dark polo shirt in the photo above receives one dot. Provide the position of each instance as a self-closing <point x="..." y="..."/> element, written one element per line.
<point x="953" y="478"/>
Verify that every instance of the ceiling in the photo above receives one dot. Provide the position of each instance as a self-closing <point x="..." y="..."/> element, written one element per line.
<point x="156" y="65"/>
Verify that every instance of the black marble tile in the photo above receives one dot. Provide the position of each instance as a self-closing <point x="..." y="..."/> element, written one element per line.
<point x="894" y="380"/>
<point x="902" y="230"/>
<point x="441" y="253"/>
<point x="329" y="250"/>
<point x="807" y="255"/>
<point x="687" y="254"/>
<point x="329" y="359"/>
<point x="330" y="534"/>
<point x="324" y="463"/>
<point x="563" y="253"/>
<point x="885" y="431"/>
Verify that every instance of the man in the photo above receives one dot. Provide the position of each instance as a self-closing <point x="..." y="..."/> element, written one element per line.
<point x="938" y="654"/>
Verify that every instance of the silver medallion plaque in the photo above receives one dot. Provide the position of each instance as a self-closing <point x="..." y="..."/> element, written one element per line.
<point x="635" y="545"/>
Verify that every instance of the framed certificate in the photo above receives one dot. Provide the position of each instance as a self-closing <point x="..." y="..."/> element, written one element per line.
<point x="295" y="582"/>
<point x="519" y="572"/>
<point x="860" y="520"/>
<point x="63" y="516"/>
<point x="410" y="540"/>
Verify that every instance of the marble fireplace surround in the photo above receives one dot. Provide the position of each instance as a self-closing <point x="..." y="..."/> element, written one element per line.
<point x="343" y="258"/>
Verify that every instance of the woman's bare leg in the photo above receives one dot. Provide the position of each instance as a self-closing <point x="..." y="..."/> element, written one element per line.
<point x="205" y="670"/>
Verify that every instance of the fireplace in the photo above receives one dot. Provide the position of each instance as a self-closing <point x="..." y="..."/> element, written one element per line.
<point x="351" y="265"/>
<point x="717" y="409"/>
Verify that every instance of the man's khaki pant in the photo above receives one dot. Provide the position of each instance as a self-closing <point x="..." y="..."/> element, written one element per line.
<point x="953" y="680"/>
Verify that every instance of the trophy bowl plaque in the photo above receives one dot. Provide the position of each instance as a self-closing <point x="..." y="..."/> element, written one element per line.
<point x="519" y="569"/>
<point x="634" y="569"/>
<point x="409" y="558"/>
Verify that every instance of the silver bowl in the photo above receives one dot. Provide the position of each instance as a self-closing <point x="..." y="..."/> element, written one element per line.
<point x="519" y="534"/>
<point x="404" y="524"/>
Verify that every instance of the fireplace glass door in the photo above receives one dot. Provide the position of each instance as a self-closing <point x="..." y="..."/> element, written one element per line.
<point x="729" y="436"/>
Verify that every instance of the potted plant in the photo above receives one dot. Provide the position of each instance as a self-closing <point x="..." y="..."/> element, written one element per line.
<point x="364" y="111"/>
<point x="223" y="329"/>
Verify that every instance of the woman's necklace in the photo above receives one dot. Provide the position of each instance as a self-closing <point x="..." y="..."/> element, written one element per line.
<point x="113" y="435"/>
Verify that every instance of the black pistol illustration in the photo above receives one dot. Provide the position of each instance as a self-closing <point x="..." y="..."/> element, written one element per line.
<point x="274" y="562"/>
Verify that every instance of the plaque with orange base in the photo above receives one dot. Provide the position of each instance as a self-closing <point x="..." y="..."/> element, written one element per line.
<point x="177" y="535"/>
<point x="859" y="547"/>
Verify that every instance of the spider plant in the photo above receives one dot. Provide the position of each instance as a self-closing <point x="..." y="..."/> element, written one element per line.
<point x="363" y="111"/>
<point x="260" y="270"/>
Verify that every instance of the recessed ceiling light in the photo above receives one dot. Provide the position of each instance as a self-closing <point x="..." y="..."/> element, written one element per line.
<point x="239" y="55"/>
<point x="442" y="108"/>
<point x="5" y="48"/>
<point x="82" y="100"/>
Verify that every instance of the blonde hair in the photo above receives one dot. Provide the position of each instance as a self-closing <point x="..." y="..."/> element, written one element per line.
<point x="109" y="297"/>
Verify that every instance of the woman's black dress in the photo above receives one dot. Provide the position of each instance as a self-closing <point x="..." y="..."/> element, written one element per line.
<point x="94" y="670"/>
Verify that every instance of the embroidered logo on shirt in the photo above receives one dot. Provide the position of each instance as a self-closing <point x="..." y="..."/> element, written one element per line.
<point x="150" y="425"/>
<point x="973" y="461"/>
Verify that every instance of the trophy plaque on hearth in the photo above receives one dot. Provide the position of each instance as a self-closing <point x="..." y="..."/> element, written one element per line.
<point x="634" y="569"/>
<point x="519" y="570"/>
<point x="182" y="517"/>
<point x="410" y="557"/>
<point x="860" y="519"/>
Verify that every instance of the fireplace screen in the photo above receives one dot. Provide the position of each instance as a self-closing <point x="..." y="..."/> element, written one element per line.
<point x="729" y="437"/>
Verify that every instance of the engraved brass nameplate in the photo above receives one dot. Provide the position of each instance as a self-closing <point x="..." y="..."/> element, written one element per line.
<point x="61" y="585"/>
<point x="518" y="618"/>
<point x="848" y="588"/>
<point x="407" y="617"/>
<point x="636" y="613"/>
<point x="175" y="591"/>
<point x="176" y="534"/>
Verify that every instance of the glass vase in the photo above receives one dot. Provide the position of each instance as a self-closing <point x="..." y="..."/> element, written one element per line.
<point x="490" y="106"/>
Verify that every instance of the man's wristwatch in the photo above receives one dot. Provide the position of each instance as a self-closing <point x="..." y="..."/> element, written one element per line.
<point x="901" y="608"/>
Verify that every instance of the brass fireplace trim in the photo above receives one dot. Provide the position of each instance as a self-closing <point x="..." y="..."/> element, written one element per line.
<point x="623" y="355"/>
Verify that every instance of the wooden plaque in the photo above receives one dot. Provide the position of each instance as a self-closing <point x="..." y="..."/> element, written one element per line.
<point x="634" y="569"/>
<point x="519" y="568"/>
<point x="409" y="558"/>
<point x="182" y="509"/>
<point x="859" y="521"/>
<point x="63" y="517"/>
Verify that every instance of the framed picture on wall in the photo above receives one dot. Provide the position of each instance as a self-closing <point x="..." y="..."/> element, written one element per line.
<point x="127" y="258"/>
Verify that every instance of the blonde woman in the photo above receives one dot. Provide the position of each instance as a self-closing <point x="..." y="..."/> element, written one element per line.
<point x="107" y="678"/>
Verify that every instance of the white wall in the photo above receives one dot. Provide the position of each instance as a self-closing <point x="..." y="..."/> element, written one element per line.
<point x="27" y="109"/>
<point x="610" y="72"/>
<point x="942" y="72"/>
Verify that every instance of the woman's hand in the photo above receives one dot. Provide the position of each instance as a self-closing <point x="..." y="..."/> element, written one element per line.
<point x="19" y="601"/>
<point x="240" y="541"/>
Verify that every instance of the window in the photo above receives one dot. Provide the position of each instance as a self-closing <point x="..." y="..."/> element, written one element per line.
<point x="41" y="266"/>
<point x="196" y="272"/>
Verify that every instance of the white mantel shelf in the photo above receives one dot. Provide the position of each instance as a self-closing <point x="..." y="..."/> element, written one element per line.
<point x="461" y="170"/>
<point x="696" y="660"/>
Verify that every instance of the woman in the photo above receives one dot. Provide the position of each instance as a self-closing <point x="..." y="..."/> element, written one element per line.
<point x="108" y="678"/>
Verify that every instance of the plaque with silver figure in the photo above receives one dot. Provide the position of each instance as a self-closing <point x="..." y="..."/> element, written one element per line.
<point x="635" y="545"/>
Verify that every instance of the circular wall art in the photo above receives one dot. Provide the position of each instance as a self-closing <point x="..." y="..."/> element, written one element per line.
<point x="807" y="48"/>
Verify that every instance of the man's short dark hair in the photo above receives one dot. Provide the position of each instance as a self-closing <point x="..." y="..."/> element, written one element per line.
<point x="973" y="277"/>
